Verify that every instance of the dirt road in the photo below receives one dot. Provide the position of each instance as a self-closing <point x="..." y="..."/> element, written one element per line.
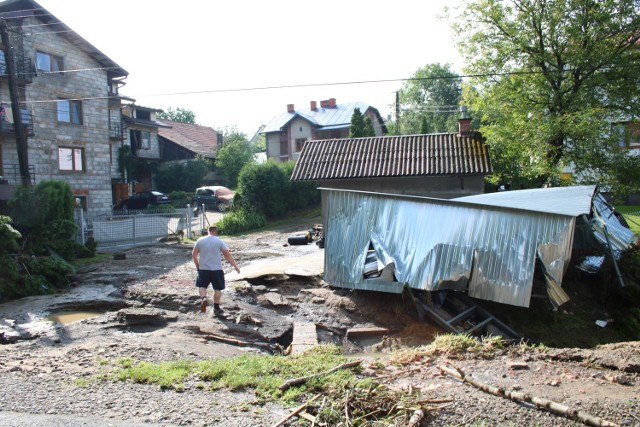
<point x="145" y="307"/>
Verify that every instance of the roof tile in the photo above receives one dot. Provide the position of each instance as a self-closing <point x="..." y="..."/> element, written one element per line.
<point x="393" y="156"/>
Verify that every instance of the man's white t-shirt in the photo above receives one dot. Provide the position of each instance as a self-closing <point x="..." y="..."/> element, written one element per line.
<point x="210" y="252"/>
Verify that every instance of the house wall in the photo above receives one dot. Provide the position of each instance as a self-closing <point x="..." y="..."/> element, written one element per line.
<point x="94" y="182"/>
<point x="374" y="120"/>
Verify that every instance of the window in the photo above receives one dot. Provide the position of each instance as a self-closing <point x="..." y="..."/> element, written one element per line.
<point x="48" y="62"/>
<point x="141" y="140"/>
<point x="70" y="111"/>
<point x="283" y="148"/>
<point x="71" y="159"/>
<point x="300" y="143"/>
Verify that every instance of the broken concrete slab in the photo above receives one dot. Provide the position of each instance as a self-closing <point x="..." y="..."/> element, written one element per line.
<point x="304" y="337"/>
<point x="310" y="265"/>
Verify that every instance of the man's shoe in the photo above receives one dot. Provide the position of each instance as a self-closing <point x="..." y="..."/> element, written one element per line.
<point x="217" y="310"/>
<point x="203" y="305"/>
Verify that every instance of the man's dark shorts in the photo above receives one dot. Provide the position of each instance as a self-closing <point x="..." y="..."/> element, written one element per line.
<point x="215" y="277"/>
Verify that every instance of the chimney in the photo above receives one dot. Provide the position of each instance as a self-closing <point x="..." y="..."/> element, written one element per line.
<point x="324" y="103"/>
<point x="464" y="123"/>
<point x="332" y="103"/>
<point x="290" y="108"/>
<point x="314" y="106"/>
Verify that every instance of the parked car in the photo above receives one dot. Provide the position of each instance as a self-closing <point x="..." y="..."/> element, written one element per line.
<point x="214" y="197"/>
<point x="144" y="200"/>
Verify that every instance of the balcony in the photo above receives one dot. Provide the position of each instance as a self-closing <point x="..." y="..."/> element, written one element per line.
<point x="11" y="177"/>
<point x="7" y="125"/>
<point x="25" y="69"/>
<point x="116" y="131"/>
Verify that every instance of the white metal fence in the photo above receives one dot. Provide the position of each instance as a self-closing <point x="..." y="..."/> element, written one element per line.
<point x="133" y="227"/>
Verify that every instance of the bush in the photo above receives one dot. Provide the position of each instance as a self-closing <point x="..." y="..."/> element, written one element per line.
<point x="54" y="270"/>
<point x="300" y="195"/>
<point x="44" y="215"/>
<point x="180" y="199"/>
<point x="241" y="219"/>
<point x="182" y="177"/>
<point x="264" y="187"/>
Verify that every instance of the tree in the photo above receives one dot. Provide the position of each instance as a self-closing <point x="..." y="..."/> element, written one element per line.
<point x="181" y="115"/>
<point x="182" y="177"/>
<point x="552" y="76"/>
<point x="361" y="126"/>
<point x="429" y="100"/>
<point x="236" y="151"/>
<point x="264" y="187"/>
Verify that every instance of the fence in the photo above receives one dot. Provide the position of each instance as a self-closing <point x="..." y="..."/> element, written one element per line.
<point x="134" y="227"/>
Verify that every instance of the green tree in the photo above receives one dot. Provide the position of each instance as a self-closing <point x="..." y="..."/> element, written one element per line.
<point x="181" y="115"/>
<point x="182" y="177"/>
<point x="429" y="100"/>
<point x="264" y="187"/>
<point x="361" y="126"/>
<point x="552" y="75"/>
<point x="236" y="151"/>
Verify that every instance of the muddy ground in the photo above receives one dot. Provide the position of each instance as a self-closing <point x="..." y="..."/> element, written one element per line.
<point x="145" y="306"/>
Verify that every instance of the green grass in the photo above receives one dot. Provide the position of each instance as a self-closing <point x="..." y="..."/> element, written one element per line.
<point x="262" y="373"/>
<point x="81" y="262"/>
<point x="632" y="214"/>
<point x="366" y="401"/>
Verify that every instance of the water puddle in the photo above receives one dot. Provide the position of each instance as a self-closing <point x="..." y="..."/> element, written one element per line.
<point x="66" y="317"/>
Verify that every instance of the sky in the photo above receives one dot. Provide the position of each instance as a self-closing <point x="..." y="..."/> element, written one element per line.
<point x="238" y="63"/>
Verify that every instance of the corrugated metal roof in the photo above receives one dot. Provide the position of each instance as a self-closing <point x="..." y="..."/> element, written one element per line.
<point x="201" y="140"/>
<point x="572" y="201"/>
<point x="339" y="116"/>
<point x="392" y="156"/>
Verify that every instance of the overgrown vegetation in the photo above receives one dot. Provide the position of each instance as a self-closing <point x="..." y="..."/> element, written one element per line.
<point x="182" y="176"/>
<point x="240" y="220"/>
<point x="37" y="241"/>
<point x="266" y="193"/>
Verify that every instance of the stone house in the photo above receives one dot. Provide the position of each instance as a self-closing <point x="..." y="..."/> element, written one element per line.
<point x="287" y="133"/>
<point x="69" y="95"/>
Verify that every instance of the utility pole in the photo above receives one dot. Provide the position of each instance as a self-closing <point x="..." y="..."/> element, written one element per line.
<point x="397" y="113"/>
<point x="21" y="139"/>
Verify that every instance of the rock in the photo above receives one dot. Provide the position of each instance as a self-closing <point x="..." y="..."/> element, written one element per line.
<point x="143" y="317"/>
<point x="517" y="365"/>
<point x="273" y="299"/>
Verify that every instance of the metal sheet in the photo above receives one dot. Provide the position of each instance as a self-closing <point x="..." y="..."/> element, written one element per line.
<point x="571" y="201"/>
<point x="440" y="244"/>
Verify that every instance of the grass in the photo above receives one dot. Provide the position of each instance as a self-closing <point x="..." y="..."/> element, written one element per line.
<point x="99" y="257"/>
<point x="367" y="402"/>
<point x="263" y="373"/>
<point x="632" y="214"/>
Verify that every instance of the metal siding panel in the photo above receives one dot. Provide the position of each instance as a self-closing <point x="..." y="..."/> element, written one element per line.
<point x="438" y="244"/>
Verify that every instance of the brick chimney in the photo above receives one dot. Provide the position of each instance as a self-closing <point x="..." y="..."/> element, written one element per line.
<point x="290" y="108"/>
<point x="464" y="123"/>
<point x="328" y="103"/>
<point x="314" y="106"/>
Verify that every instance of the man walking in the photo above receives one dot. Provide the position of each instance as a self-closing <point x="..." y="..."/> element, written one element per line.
<point x="207" y="257"/>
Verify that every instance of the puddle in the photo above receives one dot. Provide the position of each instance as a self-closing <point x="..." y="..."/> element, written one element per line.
<point x="66" y="317"/>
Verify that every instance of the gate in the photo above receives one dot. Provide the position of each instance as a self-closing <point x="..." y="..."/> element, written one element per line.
<point x="133" y="228"/>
